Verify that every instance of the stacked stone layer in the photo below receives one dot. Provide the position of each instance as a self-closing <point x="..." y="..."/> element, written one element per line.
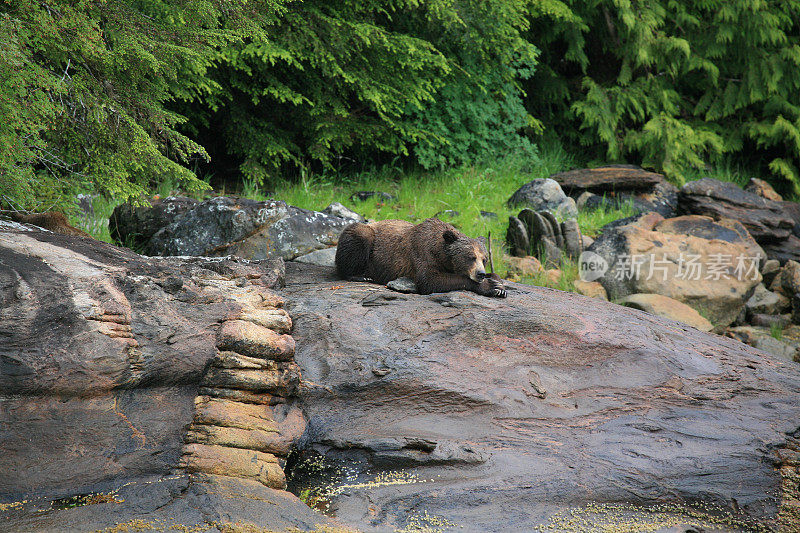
<point x="245" y="419"/>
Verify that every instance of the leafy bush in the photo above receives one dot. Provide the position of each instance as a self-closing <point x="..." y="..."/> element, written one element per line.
<point x="673" y="84"/>
<point x="478" y="113"/>
<point x="82" y="92"/>
<point x="318" y="80"/>
<point x="121" y="95"/>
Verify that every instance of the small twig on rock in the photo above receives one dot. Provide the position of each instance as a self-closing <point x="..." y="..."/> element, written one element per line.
<point x="489" y="250"/>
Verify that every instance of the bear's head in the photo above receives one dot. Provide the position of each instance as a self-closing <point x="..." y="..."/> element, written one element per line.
<point x="466" y="256"/>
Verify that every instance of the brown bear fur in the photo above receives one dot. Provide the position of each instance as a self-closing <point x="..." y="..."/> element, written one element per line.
<point x="53" y="221"/>
<point x="438" y="257"/>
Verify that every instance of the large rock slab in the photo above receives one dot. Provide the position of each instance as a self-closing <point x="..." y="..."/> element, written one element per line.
<point x="102" y="358"/>
<point x="496" y="415"/>
<point x="766" y="220"/>
<point x="135" y="226"/>
<point x="230" y="226"/>
<point x="608" y="178"/>
<point x="711" y="266"/>
<point x="620" y="186"/>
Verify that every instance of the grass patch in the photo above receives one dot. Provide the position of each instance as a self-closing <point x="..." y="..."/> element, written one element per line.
<point x="590" y="222"/>
<point x="776" y="331"/>
<point x="462" y="196"/>
<point x="96" y="223"/>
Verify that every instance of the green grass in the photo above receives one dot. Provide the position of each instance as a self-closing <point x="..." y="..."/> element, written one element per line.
<point x="591" y="221"/>
<point x="725" y="170"/>
<point x="419" y="195"/>
<point x="97" y="224"/>
<point x="776" y="331"/>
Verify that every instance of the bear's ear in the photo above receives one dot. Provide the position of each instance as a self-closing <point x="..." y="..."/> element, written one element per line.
<point x="450" y="237"/>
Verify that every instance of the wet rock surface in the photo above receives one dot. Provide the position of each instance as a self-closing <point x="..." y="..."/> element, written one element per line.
<point x="492" y="415"/>
<point x="158" y="390"/>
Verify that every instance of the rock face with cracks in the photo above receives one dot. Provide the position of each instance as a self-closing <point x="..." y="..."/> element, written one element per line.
<point x="496" y="414"/>
<point x="142" y="391"/>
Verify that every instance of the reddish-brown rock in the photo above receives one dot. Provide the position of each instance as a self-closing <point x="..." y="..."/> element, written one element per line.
<point x="102" y="353"/>
<point x="495" y="414"/>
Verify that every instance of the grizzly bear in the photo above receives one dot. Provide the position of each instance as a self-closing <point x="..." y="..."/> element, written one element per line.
<point x="51" y="220"/>
<point x="437" y="256"/>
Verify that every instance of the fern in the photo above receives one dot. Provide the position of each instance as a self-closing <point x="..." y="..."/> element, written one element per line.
<point x="674" y="85"/>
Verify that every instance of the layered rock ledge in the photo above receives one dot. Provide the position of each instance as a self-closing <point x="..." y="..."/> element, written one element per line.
<point x="496" y="415"/>
<point x="142" y="392"/>
<point x="186" y="393"/>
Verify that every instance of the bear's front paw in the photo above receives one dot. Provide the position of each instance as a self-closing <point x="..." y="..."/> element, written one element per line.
<point x="492" y="285"/>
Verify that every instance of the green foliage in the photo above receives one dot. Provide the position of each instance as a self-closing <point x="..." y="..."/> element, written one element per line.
<point x="82" y="92"/>
<point x="776" y="331"/>
<point x="317" y="82"/>
<point x="478" y="112"/>
<point x="673" y="85"/>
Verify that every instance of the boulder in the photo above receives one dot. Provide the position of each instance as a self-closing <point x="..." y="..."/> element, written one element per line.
<point x="553" y="276"/>
<point x="447" y="214"/>
<point x="592" y="289"/>
<point x="770" y="321"/>
<point x="247" y="229"/>
<point x="769" y="270"/>
<point x="765" y="219"/>
<point x="710" y="266"/>
<point x="523" y="266"/>
<point x="787" y="280"/>
<point x="787" y="249"/>
<point x="666" y="307"/>
<point x="517" y="238"/>
<point x="338" y="210"/>
<point x="761" y="338"/>
<point x="135" y="226"/>
<point x="324" y="257"/>
<point x="112" y="414"/>
<point x="763" y="301"/>
<point x="362" y="196"/>
<point x="763" y="189"/>
<point x="544" y="195"/>
<point x="607" y="179"/>
<point x="524" y="413"/>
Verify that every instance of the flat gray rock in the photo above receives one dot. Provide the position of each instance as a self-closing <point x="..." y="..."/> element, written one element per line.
<point x="497" y="415"/>
<point x="405" y="285"/>
<point x="324" y="257"/>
